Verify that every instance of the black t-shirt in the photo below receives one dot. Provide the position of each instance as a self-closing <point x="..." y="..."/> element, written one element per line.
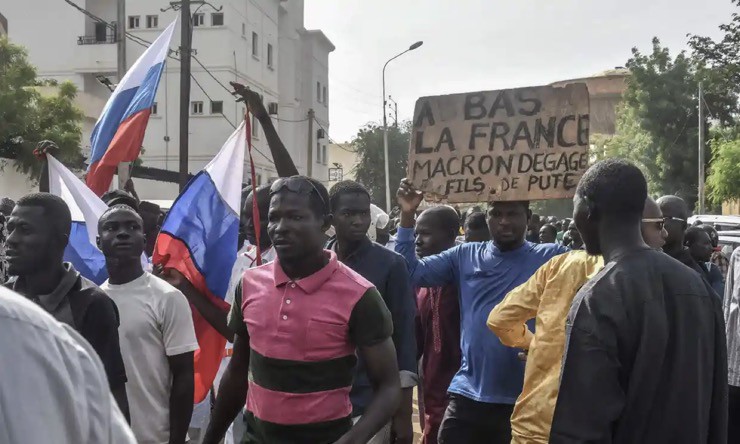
<point x="82" y="305"/>
<point x="645" y="358"/>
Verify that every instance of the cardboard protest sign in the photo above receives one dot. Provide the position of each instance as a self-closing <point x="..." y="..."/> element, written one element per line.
<point x="512" y="144"/>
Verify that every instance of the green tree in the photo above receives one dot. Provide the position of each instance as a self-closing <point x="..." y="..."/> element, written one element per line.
<point x="657" y="124"/>
<point x="723" y="182"/>
<point x="370" y="169"/>
<point x="28" y="117"/>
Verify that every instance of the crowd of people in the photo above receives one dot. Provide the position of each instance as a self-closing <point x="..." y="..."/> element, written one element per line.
<point x="607" y="327"/>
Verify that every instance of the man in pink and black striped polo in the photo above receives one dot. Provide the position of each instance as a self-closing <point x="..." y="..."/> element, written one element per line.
<point x="305" y="317"/>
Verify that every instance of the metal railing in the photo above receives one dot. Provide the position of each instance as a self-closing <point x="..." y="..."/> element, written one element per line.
<point x="96" y="40"/>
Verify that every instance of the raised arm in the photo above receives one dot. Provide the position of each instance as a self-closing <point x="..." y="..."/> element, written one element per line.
<point x="283" y="162"/>
<point x="432" y="271"/>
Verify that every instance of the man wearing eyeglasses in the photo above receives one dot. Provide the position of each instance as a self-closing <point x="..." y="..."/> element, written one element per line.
<point x="675" y="214"/>
<point x="306" y="318"/>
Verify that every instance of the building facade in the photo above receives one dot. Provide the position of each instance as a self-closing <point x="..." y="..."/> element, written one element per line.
<point x="260" y="43"/>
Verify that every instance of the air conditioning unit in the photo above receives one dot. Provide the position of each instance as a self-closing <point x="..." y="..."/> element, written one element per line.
<point x="272" y="108"/>
<point x="320" y="134"/>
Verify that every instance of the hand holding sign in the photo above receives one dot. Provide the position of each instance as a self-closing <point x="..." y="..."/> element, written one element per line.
<point x="409" y="198"/>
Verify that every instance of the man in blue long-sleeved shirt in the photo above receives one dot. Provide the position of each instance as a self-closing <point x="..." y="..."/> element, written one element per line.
<point x="484" y="390"/>
<point x="386" y="270"/>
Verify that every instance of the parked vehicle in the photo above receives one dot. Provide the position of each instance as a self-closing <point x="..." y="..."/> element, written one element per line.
<point x="721" y="223"/>
<point x="729" y="241"/>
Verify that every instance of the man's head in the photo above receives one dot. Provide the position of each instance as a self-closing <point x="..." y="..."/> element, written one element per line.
<point x="298" y="217"/>
<point x="151" y="215"/>
<point x="611" y="193"/>
<point x="534" y="222"/>
<point x="713" y="235"/>
<point x="120" y="197"/>
<point x="121" y="235"/>
<point x="436" y="230"/>
<point x="676" y="214"/>
<point x="350" y="207"/>
<point x="508" y="223"/>
<point x="548" y="234"/>
<point x="653" y="230"/>
<point x="575" y="236"/>
<point x="38" y="232"/>
<point x="699" y="244"/>
<point x="247" y="219"/>
<point x="476" y="228"/>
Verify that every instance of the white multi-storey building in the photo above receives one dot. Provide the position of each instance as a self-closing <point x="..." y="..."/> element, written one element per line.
<point x="261" y="43"/>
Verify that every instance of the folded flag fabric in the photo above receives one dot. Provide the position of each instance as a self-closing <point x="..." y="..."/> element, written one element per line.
<point x="199" y="239"/>
<point x="119" y="131"/>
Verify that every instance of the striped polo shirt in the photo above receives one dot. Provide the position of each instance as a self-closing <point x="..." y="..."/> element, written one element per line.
<point x="303" y="336"/>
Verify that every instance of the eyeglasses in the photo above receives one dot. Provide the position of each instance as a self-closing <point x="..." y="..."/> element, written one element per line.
<point x="298" y="185"/>
<point x="677" y="219"/>
<point x="659" y="221"/>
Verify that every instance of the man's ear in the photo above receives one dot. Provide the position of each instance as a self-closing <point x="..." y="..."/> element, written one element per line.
<point x="328" y="220"/>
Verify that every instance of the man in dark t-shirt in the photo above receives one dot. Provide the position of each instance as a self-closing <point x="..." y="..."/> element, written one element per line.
<point x="38" y="232"/>
<point x="645" y="358"/>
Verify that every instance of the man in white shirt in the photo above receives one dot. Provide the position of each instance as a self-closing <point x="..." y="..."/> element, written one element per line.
<point x="156" y="333"/>
<point x="53" y="386"/>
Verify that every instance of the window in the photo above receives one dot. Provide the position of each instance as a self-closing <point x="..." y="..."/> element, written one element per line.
<point x="152" y="21"/>
<point x="255" y="127"/>
<point x="199" y="19"/>
<point x="318" y="92"/>
<point x="101" y="32"/>
<point x="318" y="152"/>
<point x="217" y="19"/>
<point x="269" y="55"/>
<point x="196" y="107"/>
<point x="258" y="178"/>
<point x="154" y="108"/>
<point x="255" y="45"/>
<point x="323" y="97"/>
<point x="133" y="22"/>
<point x="323" y="154"/>
<point x="244" y="29"/>
<point x="217" y="107"/>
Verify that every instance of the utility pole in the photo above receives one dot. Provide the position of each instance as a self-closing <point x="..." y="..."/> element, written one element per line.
<point x="123" y="167"/>
<point x="185" y="51"/>
<point x="309" y="165"/>
<point x="701" y="149"/>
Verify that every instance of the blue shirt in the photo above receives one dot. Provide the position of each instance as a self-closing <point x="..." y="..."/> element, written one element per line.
<point x="489" y="372"/>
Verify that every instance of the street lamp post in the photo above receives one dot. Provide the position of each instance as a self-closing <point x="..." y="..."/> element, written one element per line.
<point x="385" y="129"/>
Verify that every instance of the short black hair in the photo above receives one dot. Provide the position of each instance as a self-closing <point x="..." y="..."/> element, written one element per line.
<point x="615" y="187"/>
<point x="476" y="221"/>
<point x="263" y="199"/>
<point x="120" y="197"/>
<point x="121" y="207"/>
<point x="551" y="228"/>
<point x="55" y="208"/>
<point x="6" y="205"/>
<point x="150" y="207"/>
<point x="692" y="234"/>
<point x="446" y="218"/>
<point x="345" y="187"/>
<point x="318" y="196"/>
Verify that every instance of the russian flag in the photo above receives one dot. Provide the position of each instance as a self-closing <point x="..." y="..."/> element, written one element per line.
<point x="199" y="239"/>
<point x="119" y="131"/>
<point x="86" y="209"/>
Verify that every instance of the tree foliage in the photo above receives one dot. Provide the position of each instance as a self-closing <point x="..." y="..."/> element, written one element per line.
<point x="723" y="182"/>
<point x="658" y="123"/>
<point x="28" y="117"/>
<point x="370" y="169"/>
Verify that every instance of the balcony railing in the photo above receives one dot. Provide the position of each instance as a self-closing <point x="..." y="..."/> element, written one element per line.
<point x="96" y="40"/>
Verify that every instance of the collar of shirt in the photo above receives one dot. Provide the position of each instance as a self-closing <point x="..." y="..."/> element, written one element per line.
<point x="362" y="248"/>
<point x="310" y="283"/>
<point x="50" y="302"/>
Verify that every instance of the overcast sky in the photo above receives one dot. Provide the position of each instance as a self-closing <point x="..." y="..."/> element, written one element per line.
<point x="486" y="44"/>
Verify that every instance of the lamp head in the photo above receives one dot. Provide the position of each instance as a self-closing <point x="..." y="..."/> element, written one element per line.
<point x="415" y="45"/>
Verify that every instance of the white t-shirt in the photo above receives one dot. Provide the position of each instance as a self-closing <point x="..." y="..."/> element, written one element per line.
<point x="156" y="322"/>
<point x="53" y="386"/>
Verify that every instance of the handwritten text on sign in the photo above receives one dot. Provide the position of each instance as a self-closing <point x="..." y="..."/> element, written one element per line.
<point x="513" y="144"/>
